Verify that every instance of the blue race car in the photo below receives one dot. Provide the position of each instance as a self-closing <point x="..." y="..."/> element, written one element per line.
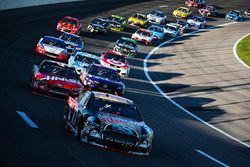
<point x="73" y="40"/>
<point x="103" y="79"/>
<point x="157" y="31"/>
<point x="235" y="15"/>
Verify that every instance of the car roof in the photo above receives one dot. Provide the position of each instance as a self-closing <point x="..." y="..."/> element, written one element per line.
<point x="128" y="39"/>
<point x="53" y="38"/>
<point x="57" y="63"/>
<point x="117" y="16"/>
<point x="100" y="66"/>
<point x="86" y="54"/>
<point x="74" y="35"/>
<point x="112" y="97"/>
<point x="71" y="18"/>
<point x="183" y="8"/>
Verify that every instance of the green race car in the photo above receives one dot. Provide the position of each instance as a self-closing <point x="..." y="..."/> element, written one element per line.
<point x="117" y="23"/>
<point x="126" y="46"/>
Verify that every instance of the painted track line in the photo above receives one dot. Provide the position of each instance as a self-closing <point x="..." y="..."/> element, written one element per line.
<point x="27" y="119"/>
<point x="211" y="158"/>
<point x="145" y="68"/>
<point x="235" y="51"/>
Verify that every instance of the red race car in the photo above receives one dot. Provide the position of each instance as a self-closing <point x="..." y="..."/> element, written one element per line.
<point x="208" y="10"/>
<point x="55" y="78"/>
<point x="116" y="61"/>
<point x="195" y="3"/>
<point x="70" y="25"/>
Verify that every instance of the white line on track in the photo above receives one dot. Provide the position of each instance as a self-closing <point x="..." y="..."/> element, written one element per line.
<point x="235" y="51"/>
<point x="163" y="6"/>
<point x="211" y="158"/>
<point x="145" y="68"/>
<point x="27" y="119"/>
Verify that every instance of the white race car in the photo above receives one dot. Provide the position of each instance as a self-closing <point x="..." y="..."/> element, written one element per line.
<point x="172" y="30"/>
<point x="143" y="35"/>
<point x="196" y="22"/>
<point x="157" y="17"/>
<point x="82" y="60"/>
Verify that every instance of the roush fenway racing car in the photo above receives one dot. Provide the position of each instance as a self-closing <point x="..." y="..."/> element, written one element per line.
<point x="102" y="79"/>
<point x="70" y="25"/>
<point x="54" y="48"/>
<point x="108" y="121"/>
<point x="116" y="61"/>
<point x="56" y="78"/>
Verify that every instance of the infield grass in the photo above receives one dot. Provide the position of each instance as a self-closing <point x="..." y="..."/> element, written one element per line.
<point x="243" y="50"/>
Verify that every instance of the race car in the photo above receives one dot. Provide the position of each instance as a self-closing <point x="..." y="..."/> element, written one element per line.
<point x="99" y="25"/>
<point x="195" y="3"/>
<point x="182" y="12"/>
<point x="73" y="40"/>
<point x="247" y="12"/>
<point x="196" y="22"/>
<point x="126" y="46"/>
<point x="108" y="121"/>
<point x="208" y="10"/>
<point x="157" y="17"/>
<point x="70" y="25"/>
<point x="55" y="78"/>
<point x="102" y="79"/>
<point x="157" y="31"/>
<point x="143" y="35"/>
<point x="53" y="48"/>
<point x="235" y="15"/>
<point x="138" y="19"/>
<point x="183" y="25"/>
<point x="172" y="30"/>
<point x="116" y="61"/>
<point x="117" y="23"/>
<point x="82" y="60"/>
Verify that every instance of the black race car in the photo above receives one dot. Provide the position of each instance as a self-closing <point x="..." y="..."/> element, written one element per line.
<point x="99" y="25"/>
<point x="108" y="121"/>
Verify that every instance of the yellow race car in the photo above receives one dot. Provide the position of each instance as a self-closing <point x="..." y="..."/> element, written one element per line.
<point x="138" y="19"/>
<point x="182" y="12"/>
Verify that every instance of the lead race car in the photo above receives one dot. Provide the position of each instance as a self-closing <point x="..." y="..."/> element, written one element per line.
<point x="54" y="48"/>
<point x="108" y="121"/>
<point x="56" y="78"/>
<point x="103" y="79"/>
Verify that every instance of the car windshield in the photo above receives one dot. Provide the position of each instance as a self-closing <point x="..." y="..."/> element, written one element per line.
<point x="199" y="19"/>
<point x="104" y="73"/>
<point x="126" y="42"/>
<point x="128" y="111"/>
<point x="115" y="19"/>
<point x="171" y="28"/>
<point x="156" y="29"/>
<point x="116" y="57"/>
<point x="53" y="42"/>
<point x="138" y="16"/>
<point x="144" y="33"/>
<point x="235" y="13"/>
<point x="100" y="22"/>
<point x="156" y="13"/>
<point x="69" y="21"/>
<point x="87" y="60"/>
<point x="71" y="38"/>
<point x="49" y="68"/>
<point x="184" y="10"/>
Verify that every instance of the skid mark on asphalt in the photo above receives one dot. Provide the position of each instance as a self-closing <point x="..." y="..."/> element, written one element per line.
<point x="146" y="72"/>
<point x="27" y="119"/>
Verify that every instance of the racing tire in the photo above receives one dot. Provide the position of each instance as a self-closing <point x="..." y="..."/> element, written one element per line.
<point x="79" y="129"/>
<point x="147" y="43"/>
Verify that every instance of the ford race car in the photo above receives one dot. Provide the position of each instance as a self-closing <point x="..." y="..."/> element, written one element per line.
<point x="157" y="17"/>
<point x="196" y="22"/>
<point x="208" y="10"/>
<point x="126" y="46"/>
<point x="69" y="24"/>
<point x="235" y="15"/>
<point x="157" y="31"/>
<point x="108" y="121"/>
<point x="247" y="12"/>
<point x="143" y="35"/>
<point x="103" y="79"/>
<point x="117" y="23"/>
<point x="182" y="12"/>
<point x="99" y="25"/>
<point x="116" y="61"/>
<point x="82" y="60"/>
<point x="195" y="3"/>
<point x="54" y="48"/>
<point x="138" y="19"/>
<point x="183" y="25"/>
<point x="74" y="41"/>
<point x="56" y="78"/>
<point x="172" y="30"/>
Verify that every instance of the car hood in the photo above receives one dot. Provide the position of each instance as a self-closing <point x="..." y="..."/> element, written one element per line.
<point x="62" y="82"/>
<point x="114" y="62"/>
<point x="103" y="81"/>
<point x="53" y="49"/>
<point x="98" y="25"/>
<point x="126" y="46"/>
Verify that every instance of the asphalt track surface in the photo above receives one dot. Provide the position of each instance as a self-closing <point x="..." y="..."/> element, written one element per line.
<point x="177" y="135"/>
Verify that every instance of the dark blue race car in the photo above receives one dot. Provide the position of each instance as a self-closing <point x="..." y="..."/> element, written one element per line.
<point x="73" y="41"/>
<point x="103" y="79"/>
